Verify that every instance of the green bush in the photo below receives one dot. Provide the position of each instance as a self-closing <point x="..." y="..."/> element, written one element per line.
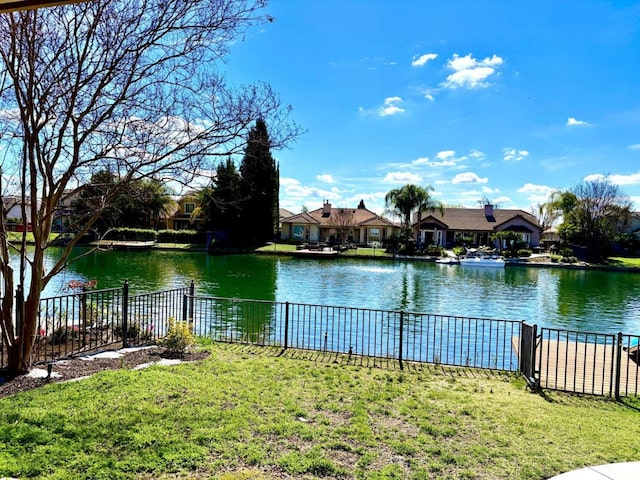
<point x="177" y="236"/>
<point x="133" y="330"/>
<point x="178" y="339"/>
<point x="524" y="252"/>
<point x="569" y="259"/>
<point x="62" y="335"/>
<point x="566" y="252"/>
<point x="434" y="250"/>
<point x="131" y="234"/>
<point x="555" y="258"/>
<point x="459" y="251"/>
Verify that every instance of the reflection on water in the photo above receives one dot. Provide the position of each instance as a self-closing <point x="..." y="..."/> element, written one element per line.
<point x="583" y="300"/>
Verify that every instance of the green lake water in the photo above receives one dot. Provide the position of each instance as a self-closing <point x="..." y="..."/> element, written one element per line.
<point x="571" y="299"/>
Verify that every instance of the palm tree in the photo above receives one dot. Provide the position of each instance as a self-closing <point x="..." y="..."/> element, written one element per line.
<point x="158" y="201"/>
<point x="405" y="200"/>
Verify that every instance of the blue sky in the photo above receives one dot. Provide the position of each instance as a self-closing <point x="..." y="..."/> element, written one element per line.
<point x="505" y="100"/>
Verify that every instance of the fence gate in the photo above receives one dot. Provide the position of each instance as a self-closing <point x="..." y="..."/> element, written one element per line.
<point x="528" y="354"/>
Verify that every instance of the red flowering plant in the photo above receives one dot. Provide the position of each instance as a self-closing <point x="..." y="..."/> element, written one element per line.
<point x="80" y="285"/>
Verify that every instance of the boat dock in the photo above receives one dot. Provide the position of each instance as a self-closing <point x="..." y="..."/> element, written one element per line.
<point x="124" y="245"/>
<point x="582" y="367"/>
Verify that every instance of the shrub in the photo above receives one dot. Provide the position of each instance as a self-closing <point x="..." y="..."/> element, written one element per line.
<point x="566" y="252"/>
<point x="178" y="339"/>
<point x="524" y="252"/>
<point x="178" y="236"/>
<point x="133" y="330"/>
<point x="131" y="234"/>
<point x="434" y="250"/>
<point x="459" y="251"/>
<point x="555" y="258"/>
<point x="62" y="335"/>
<point x="569" y="259"/>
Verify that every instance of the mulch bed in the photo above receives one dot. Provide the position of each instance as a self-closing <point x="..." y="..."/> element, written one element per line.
<point x="77" y="367"/>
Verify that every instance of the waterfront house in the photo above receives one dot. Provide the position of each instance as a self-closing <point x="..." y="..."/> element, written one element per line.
<point x="338" y="225"/>
<point x="182" y="217"/>
<point x="474" y="226"/>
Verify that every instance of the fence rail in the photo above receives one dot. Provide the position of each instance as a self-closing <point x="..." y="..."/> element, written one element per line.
<point x="555" y="359"/>
<point x="89" y="320"/>
<point x="402" y="336"/>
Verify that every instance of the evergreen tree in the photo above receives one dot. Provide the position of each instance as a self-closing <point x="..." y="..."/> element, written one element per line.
<point x="222" y="201"/>
<point x="260" y="185"/>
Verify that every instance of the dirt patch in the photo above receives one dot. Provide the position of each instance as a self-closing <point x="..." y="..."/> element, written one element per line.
<point x="78" y="367"/>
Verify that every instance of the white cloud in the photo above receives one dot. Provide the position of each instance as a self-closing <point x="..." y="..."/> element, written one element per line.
<point x="423" y="59"/>
<point x="284" y="181"/>
<point x="468" y="177"/>
<point x="428" y="96"/>
<point x="470" y="73"/>
<point x="572" y="122"/>
<point x="533" y="188"/>
<point x="325" y="178"/>
<point x="390" y="107"/>
<point x="421" y="161"/>
<point x="443" y="163"/>
<point x="402" y="177"/>
<point x="635" y="146"/>
<point x="444" y="154"/>
<point x="503" y="200"/>
<point x="296" y="191"/>
<point x="477" y="154"/>
<point x="512" y="154"/>
<point x="632" y="179"/>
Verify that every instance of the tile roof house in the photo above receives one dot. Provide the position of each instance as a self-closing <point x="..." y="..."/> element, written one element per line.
<point x="474" y="226"/>
<point x="329" y="224"/>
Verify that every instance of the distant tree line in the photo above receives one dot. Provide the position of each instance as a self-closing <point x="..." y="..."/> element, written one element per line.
<point x="139" y="204"/>
<point x="239" y="206"/>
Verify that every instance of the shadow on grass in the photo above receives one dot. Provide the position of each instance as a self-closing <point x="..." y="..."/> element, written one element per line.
<point x="371" y="362"/>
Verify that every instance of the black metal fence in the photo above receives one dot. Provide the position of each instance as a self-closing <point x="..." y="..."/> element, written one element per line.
<point x="588" y="362"/>
<point x="89" y="320"/>
<point x="402" y="336"/>
<point x="582" y="362"/>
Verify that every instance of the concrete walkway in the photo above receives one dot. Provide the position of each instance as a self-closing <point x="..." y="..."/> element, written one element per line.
<point x="612" y="471"/>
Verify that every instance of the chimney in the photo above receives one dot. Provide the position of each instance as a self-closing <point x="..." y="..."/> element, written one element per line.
<point x="488" y="210"/>
<point x="326" y="209"/>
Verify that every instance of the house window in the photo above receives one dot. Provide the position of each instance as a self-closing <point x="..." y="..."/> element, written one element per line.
<point x="189" y="207"/>
<point x="297" y="232"/>
<point x="374" y="234"/>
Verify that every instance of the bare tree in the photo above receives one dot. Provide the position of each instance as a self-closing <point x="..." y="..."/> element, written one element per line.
<point x="343" y="221"/>
<point x="131" y="87"/>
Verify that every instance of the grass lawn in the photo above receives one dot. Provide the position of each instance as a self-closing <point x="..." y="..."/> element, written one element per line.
<point x="627" y="262"/>
<point x="359" y="252"/>
<point x="246" y="413"/>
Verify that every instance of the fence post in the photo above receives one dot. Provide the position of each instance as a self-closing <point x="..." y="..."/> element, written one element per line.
<point x="125" y="314"/>
<point x="192" y="292"/>
<point x="185" y="302"/>
<point x="618" y="351"/>
<point x="401" y="339"/>
<point x="83" y="314"/>
<point x="286" y="326"/>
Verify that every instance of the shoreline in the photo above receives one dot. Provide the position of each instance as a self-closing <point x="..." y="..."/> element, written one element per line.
<point x="522" y="262"/>
<point x="530" y="262"/>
